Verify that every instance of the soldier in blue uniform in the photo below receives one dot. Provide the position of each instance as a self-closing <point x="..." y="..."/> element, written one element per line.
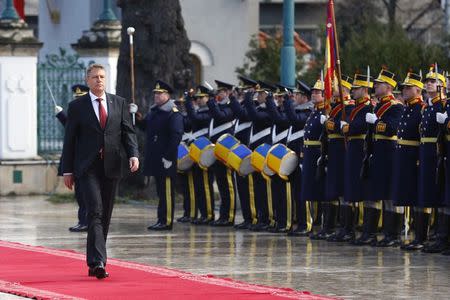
<point x="355" y="130"/>
<point x="430" y="193"/>
<point x="261" y="132"/>
<point x="244" y="184"/>
<point x="405" y="172"/>
<point x="384" y="121"/>
<point x="297" y="109"/>
<point x="335" y="154"/>
<point x="200" y="120"/>
<point x="313" y="188"/>
<point x="281" y="189"/>
<point x="222" y="122"/>
<point x="82" y="225"/>
<point x="164" y="129"/>
<point x="187" y="177"/>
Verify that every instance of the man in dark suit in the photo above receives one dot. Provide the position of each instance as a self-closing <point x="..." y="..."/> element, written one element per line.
<point x="98" y="124"/>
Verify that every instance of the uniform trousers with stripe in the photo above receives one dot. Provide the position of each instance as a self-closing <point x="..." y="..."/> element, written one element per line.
<point x="263" y="197"/>
<point x="247" y="196"/>
<point x="189" y="203"/>
<point x="301" y="208"/>
<point x="227" y="191"/>
<point x="282" y="202"/>
<point x="165" y="188"/>
<point x="203" y="183"/>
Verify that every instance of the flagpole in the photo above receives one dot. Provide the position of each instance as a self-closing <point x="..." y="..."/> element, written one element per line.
<point x="338" y="60"/>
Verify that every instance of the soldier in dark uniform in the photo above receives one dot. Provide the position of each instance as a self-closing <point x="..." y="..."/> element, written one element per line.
<point x="430" y="193"/>
<point x="200" y="120"/>
<point x="384" y="120"/>
<point x="334" y="180"/>
<point x="406" y="157"/>
<point x="244" y="184"/>
<point x="261" y="131"/>
<point x="222" y="122"/>
<point x="355" y="131"/>
<point x="281" y="189"/>
<point x="187" y="177"/>
<point x="82" y="225"/>
<point x="164" y="129"/>
<point x="313" y="188"/>
<point x="297" y="111"/>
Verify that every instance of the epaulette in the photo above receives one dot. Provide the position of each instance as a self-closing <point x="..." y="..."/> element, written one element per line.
<point x="175" y="109"/>
<point x="396" y="102"/>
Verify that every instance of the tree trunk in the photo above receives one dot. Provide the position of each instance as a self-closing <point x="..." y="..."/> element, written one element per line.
<point x="161" y="52"/>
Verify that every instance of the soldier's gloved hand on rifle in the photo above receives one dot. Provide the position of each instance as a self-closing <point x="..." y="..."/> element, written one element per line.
<point x="323" y="119"/>
<point x="58" y="109"/>
<point x="441" y="117"/>
<point x="371" y="118"/>
<point x="133" y="108"/>
<point x="343" y="123"/>
<point x="167" y="163"/>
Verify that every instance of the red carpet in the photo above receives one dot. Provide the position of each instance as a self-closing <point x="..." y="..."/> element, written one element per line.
<point x="43" y="273"/>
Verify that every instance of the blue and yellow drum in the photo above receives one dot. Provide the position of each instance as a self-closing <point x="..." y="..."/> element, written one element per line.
<point x="282" y="160"/>
<point x="184" y="161"/>
<point x="225" y="143"/>
<point x="258" y="159"/>
<point x="239" y="160"/>
<point x="202" y="152"/>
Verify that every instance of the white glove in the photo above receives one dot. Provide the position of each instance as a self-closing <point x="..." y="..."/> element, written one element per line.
<point x="58" y="109"/>
<point x="167" y="163"/>
<point x="343" y="123"/>
<point x="323" y="118"/>
<point x="371" y="118"/>
<point x="441" y="117"/>
<point x="133" y="108"/>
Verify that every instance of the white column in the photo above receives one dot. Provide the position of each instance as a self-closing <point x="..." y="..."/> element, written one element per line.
<point x="18" y="107"/>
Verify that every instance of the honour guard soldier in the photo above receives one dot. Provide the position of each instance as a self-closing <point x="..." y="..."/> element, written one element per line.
<point x="222" y="122"/>
<point x="355" y="131"/>
<point x="312" y="187"/>
<point x="164" y="129"/>
<point x="430" y="188"/>
<point x="297" y="111"/>
<point x="281" y="189"/>
<point x="203" y="179"/>
<point x="187" y="176"/>
<point x="78" y="90"/>
<point x="244" y="184"/>
<point x="334" y="180"/>
<point x="406" y="157"/>
<point x="384" y="120"/>
<point x="260" y="133"/>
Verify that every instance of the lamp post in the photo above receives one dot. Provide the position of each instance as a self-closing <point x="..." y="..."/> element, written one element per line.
<point x="9" y="13"/>
<point x="288" y="49"/>
<point x="108" y="13"/>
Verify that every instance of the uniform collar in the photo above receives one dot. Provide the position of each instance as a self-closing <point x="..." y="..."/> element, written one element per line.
<point x="387" y="98"/>
<point x="168" y="106"/>
<point x="303" y="106"/>
<point x="415" y="100"/>
<point x="362" y="100"/>
<point x="203" y="108"/>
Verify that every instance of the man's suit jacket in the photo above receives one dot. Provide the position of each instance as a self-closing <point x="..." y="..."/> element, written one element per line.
<point x="84" y="138"/>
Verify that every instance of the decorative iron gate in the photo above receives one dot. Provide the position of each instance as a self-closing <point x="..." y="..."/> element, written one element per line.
<point x="60" y="71"/>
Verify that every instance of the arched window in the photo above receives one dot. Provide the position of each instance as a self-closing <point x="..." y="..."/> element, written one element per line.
<point x="197" y="69"/>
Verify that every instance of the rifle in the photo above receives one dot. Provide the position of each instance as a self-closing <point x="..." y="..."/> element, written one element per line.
<point x="368" y="141"/>
<point x="441" y="141"/>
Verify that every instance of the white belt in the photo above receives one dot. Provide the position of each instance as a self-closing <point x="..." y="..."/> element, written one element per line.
<point x="259" y="135"/>
<point x="278" y="137"/>
<point x="199" y="133"/>
<point x="187" y="136"/>
<point x="295" y="136"/>
<point x="214" y="131"/>
<point x="241" y="126"/>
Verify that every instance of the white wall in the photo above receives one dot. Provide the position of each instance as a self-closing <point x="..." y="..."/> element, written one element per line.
<point x="220" y="31"/>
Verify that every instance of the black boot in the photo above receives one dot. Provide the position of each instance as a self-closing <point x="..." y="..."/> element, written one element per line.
<point x="392" y="227"/>
<point x="441" y="242"/>
<point x="421" y="220"/>
<point x="370" y="227"/>
<point x="329" y="217"/>
<point x="346" y="233"/>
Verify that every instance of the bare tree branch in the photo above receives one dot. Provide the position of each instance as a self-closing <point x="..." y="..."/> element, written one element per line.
<point x="432" y="5"/>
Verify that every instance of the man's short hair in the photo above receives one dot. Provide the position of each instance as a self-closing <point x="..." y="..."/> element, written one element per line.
<point x="94" y="66"/>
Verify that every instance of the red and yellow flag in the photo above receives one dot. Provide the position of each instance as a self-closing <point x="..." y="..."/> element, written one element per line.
<point x="330" y="53"/>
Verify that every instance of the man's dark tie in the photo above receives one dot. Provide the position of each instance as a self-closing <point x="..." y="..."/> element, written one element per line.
<point x="101" y="113"/>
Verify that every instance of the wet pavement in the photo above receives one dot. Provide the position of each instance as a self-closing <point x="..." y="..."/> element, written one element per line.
<point x="263" y="258"/>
